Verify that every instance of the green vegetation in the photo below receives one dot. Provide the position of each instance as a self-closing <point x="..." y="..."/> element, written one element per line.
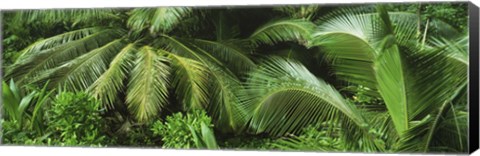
<point x="363" y="78"/>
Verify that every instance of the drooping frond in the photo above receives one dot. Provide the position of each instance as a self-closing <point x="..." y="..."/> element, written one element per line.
<point x="79" y="73"/>
<point x="233" y="53"/>
<point x="187" y="48"/>
<point x="284" y="97"/>
<point x="414" y="84"/>
<point x="57" y="41"/>
<point x="224" y="105"/>
<point x="351" y="57"/>
<point x="295" y="30"/>
<point x="157" y="20"/>
<point x="439" y="76"/>
<point x="190" y="80"/>
<point x="456" y="48"/>
<point x="217" y="57"/>
<point x="55" y="54"/>
<point x="148" y="84"/>
<point x="107" y="86"/>
<point x="349" y="41"/>
<point x="444" y="131"/>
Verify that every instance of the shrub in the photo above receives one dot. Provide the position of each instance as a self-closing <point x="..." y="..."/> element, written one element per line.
<point x="317" y="137"/>
<point x="75" y="119"/>
<point x="185" y="131"/>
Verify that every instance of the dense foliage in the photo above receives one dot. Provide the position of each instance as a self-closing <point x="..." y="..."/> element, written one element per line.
<point x="367" y="78"/>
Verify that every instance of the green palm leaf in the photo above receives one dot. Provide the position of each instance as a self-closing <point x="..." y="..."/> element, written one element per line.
<point x="232" y="53"/>
<point x="148" y="85"/>
<point x="296" y="30"/>
<point x="190" y="80"/>
<point x="107" y="86"/>
<point x="224" y="105"/>
<point x="157" y="20"/>
<point x="36" y="62"/>
<point x="79" y="73"/>
<point x="283" y="97"/>
<point x="58" y="40"/>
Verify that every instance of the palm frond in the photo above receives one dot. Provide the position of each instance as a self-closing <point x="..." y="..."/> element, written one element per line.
<point x="39" y="61"/>
<point x="295" y="30"/>
<point x="188" y="49"/>
<point x="393" y="82"/>
<point x="393" y="85"/>
<point x="190" y="80"/>
<point x="414" y="84"/>
<point x="456" y="48"/>
<point x="224" y="105"/>
<point x="444" y="131"/>
<point x="284" y="97"/>
<point x="352" y="58"/>
<point x="148" y="85"/>
<point x="79" y="73"/>
<point x="231" y="53"/>
<point x="57" y="40"/>
<point x="107" y="86"/>
<point x="157" y="20"/>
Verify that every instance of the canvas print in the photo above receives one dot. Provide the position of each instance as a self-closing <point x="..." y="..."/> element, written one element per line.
<point x="374" y="78"/>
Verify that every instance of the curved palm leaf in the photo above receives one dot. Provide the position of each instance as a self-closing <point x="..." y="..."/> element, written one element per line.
<point x="224" y="105"/>
<point x="157" y="20"/>
<point x="107" y="86"/>
<point x="401" y="74"/>
<point x="232" y="53"/>
<point x="57" y="54"/>
<point x="353" y="40"/>
<point x="79" y="73"/>
<point x="57" y="41"/>
<point x="282" y="97"/>
<point x="190" y="79"/>
<point x="296" y="30"/>
<point x="187" y="48"/>
<point x="148" y="85"/>
<point x="445" y="131"/>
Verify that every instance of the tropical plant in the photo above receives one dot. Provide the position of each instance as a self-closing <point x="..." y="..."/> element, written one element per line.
<point x="415" y="80"/>
<point x="186" y="131"/>
<point x="108" y="61"/>
<point x="24" y="107"/>
<point x="371" y="81"/>
<point x="74" y="119"/>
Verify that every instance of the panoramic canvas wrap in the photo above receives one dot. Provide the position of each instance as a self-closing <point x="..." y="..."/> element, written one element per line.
<point x="325" y="78"/>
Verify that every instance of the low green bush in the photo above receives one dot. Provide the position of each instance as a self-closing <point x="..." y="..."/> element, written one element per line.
<point x="74" y="120"/>
<point x="185" y="130"/>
